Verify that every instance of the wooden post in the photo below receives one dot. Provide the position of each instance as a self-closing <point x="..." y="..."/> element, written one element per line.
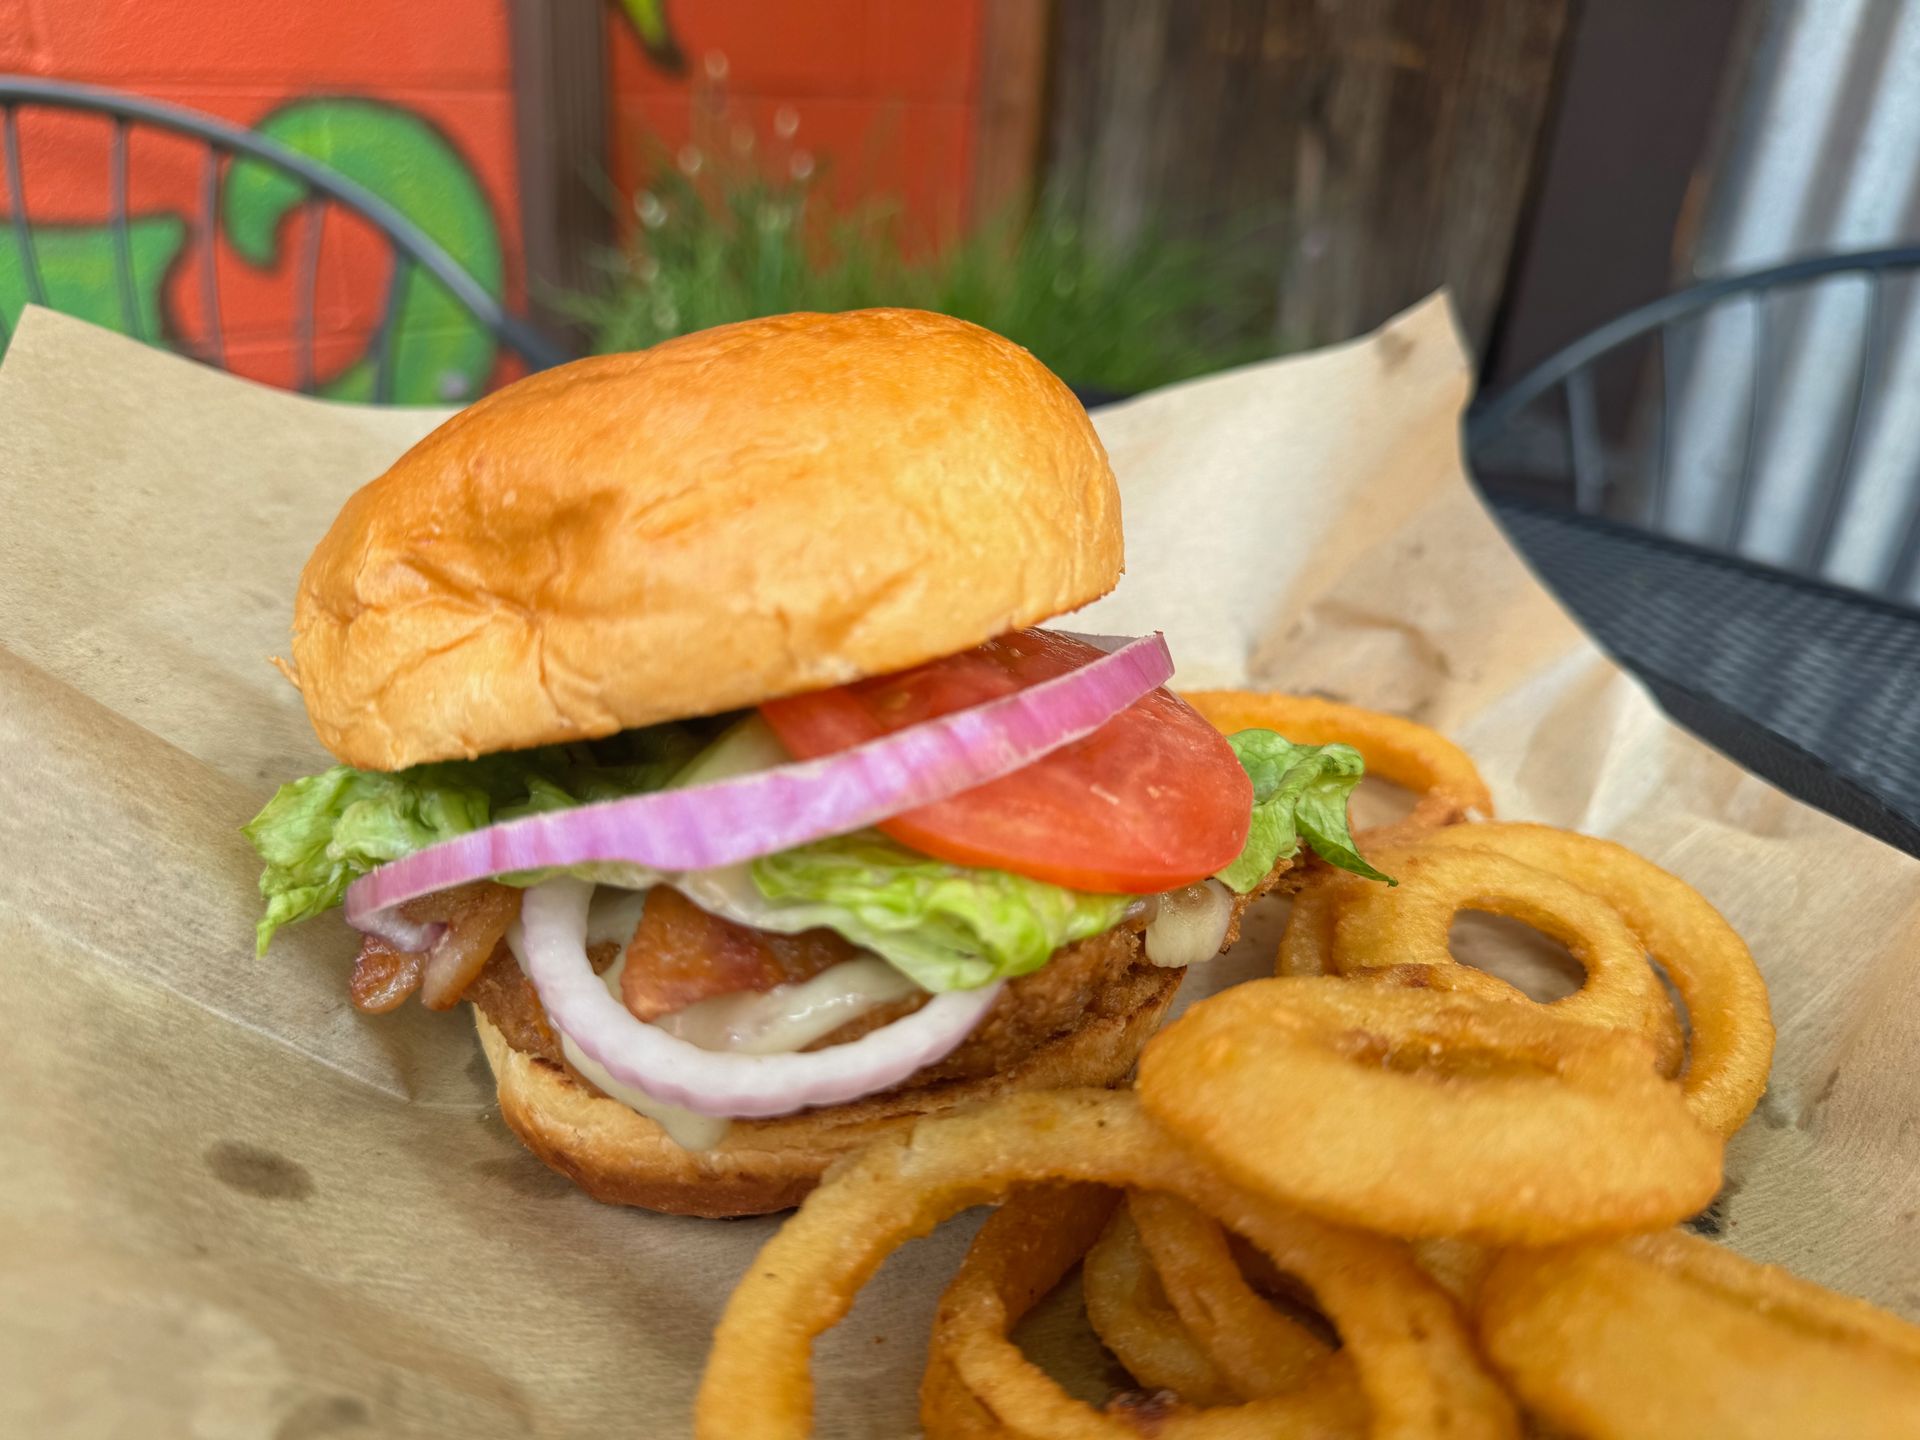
<point x="560" y="126"/>
<point x="1013" y="77"/>
<point x="1380" y="147"/>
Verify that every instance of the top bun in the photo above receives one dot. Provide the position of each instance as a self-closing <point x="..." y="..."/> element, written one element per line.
<point x="752" y="511"/>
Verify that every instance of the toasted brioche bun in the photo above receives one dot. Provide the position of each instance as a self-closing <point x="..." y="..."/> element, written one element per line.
<point x="623" y="1158"/>
<point x="752" y="511"/>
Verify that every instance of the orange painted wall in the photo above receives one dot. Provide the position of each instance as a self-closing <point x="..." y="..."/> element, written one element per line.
<point x="445" y="61"/>
<point x="886" y="91"/>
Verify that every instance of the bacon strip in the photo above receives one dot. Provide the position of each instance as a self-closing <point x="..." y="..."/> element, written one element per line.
<point x="383" y="977"/>
<point x="681" y="955"/>
<point x="476" y="917"/>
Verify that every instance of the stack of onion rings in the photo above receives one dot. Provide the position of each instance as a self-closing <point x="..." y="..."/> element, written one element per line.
<point x="1590" y="894"/>
<point x="1258" y="1349"/>
<point x="1730" y="1044"/>
<point x="1409" y="1347"/>
<point x="1129" y="1310"/>
<point x="1379" y="1121"/>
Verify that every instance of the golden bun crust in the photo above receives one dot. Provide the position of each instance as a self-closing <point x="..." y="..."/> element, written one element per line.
<point x="751" y="511"/>
<point x="622" y="1158"/>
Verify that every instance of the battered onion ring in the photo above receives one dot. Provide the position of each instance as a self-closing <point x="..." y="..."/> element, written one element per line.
<point x="1260" y="1350"/>
<point x="1456" y="1266"/>
<point x="1020" y="1254"/>
<point x="1406" y="752"/>
<point x="1415" y="1363"/>
<point x="1670" y="1335"/>
<point x="1432" y="1113"/>
<point x="1129" y="1310"/>
<point x="1376" y="927"/>
<point x="1730" y="1044"/>
<point x="1306" y="945"/>
<point x="970" y="1336"/>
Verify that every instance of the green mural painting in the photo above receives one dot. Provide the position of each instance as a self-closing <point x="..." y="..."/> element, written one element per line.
<point x="649" y="21"/>
<point x="440" y="351"/>
<point x="80" y="272"/>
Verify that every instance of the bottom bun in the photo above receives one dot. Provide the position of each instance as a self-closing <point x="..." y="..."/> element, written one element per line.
<point x="623" y="1158"/>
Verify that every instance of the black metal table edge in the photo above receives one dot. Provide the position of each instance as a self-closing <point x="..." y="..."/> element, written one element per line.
<point x="1750" y="743"/>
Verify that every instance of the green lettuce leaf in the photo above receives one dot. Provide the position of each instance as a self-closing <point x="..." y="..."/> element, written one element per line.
<point x="1298" y="791"/>
<point x="322" y="832"/>
<point x="949" y="927"/>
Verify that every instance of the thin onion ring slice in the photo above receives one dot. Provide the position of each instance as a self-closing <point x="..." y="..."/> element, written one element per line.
<point x="1262" y="1351"/>
<point x="1129" y="1310"/>
<point x="1409" y="1348"/>
<point x="1434" y="1113"/>
<point x="1668" y="1334"/>
<point x="1730" y="1022"/>
<point x="724" y="822"/>
<point x="553" y="943"/>
<point x="1411" y="924"/>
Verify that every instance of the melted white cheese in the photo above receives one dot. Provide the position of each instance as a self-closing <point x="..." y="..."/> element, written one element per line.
<point x="790" y="1017"/>
<point x="785" y="1018"/>
<point x="1190" y="924"/>
<point x="688" y="1129"/>
<point x="614" y="915"/>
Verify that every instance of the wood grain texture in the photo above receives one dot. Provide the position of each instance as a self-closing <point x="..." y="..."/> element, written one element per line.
<point x="1379" y="147"/>
<point x="560" y="138"/>
<point x="1007" y="125"/>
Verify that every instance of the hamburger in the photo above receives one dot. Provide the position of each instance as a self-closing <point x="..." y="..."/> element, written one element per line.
<point x="696" y="729"/>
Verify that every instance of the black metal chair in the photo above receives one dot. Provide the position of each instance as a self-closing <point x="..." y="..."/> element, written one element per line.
<point x="1609" y="448"/>
<point x="411" y="249"/>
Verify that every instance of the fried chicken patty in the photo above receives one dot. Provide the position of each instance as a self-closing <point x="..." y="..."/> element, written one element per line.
<point x="1103" y="976"/>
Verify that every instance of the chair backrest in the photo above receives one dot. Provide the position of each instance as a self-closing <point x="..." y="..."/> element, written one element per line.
<point x="316" y="187"/>
<point x="1761" y="414"/>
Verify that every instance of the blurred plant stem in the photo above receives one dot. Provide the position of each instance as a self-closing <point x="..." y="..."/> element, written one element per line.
<point x="733" y="226"/>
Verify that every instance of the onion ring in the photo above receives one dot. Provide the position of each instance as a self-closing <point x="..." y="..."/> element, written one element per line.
<point x="1730" y="1040"/>
<point x="553" y="927"/>
<point x="1020" y="1254"/>
<point x="1129" y="1310"/>
<point x="1376" y="927"/>
<point x="1306" y="945"/>
<point x="950" y="1411"/>
<point x="1668" y="1334"/>
<point x="1403" y="751"/>
<point x="1259" y="1349"/>
<point x="1432" y="1114"/>
<point x="1409" y="1349"/>
<point x="970" y="1334"/>
<point x="1456" y="1266"/>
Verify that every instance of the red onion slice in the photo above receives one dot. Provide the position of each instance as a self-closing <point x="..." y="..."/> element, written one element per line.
<point x="553" y="926"/>
<point x="722" y="823"/>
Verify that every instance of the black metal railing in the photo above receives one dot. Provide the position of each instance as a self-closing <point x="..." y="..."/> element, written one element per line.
<point x="410" y="248"/>
<point x="1571" y="373"/>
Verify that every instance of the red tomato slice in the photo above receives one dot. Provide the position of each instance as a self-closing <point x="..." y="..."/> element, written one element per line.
<point x="1153" y="799"/>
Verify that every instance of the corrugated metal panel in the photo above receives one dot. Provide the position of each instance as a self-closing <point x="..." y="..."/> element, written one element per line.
<point x="1819" y="467"/>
